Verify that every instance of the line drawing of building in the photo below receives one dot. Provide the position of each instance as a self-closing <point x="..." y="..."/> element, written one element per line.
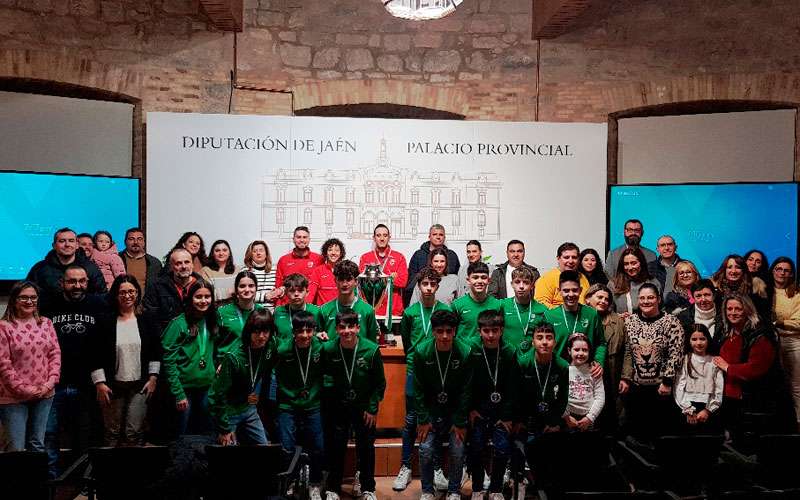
<point x="421" y="9"/>
<point x="349" y="203"/>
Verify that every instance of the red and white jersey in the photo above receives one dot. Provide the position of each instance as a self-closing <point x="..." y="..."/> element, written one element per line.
<point x="291" y="263"/>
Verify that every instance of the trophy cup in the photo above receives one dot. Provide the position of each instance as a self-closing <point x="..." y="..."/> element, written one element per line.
<point x="375" y="289"/>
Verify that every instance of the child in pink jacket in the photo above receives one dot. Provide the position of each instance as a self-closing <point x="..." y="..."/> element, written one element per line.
<point x="106" y="256"/>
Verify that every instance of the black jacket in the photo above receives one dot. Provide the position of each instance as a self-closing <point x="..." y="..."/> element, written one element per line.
<point x="659" y="272"/>
<point x="47" y="274"/>
<point x="152" y="265"/>
<point x="104" y="346"/>
<point x="686" y="317"/>
<point x="497" y="283"/>
<point x="162" y="301"/>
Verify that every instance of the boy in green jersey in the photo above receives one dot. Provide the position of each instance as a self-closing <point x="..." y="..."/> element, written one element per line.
<point x="233" y="397"/>
<point x="415" y="327"/>
<point x="346" y="273"/>
<point x="542" y="387"/>
<point x="442" y="385"/>
<point x="493" y="361"/>
<point x="522" y="313"/>
<point x="296" y="290"/>
<point x="355" y="366"/>
<point x="574" y="317"/>
<point x="478" y="299"/>
<point x="299" y="372"/>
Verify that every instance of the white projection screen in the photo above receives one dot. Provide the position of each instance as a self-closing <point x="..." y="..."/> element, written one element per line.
<point x="754" y="146"/>
<point x="42" y="133"/>
<point x="243" y="178"/>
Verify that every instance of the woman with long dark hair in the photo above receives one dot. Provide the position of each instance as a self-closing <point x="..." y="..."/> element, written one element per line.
<point x="631" y="274"/>
<point x="30" y="367"/>
<point x="449" y="286"/>
<point x="232" y="317"/>
<point x="733" y="277"/>
<point x="590" y="265"/>
<point x="126" y="362"/>
<point x="192" y="243"/>
<point x="189" y="353"/>
<point x="220" y="265"/>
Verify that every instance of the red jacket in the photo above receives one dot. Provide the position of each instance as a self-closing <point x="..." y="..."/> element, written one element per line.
<point x="394" y="262"/>
<point x="291" y="264"/>
<point x="741" y="370"/>
<point x="322" y="285"/>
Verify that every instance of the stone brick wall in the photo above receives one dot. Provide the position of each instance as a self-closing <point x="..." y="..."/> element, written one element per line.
<point x="479" y="62"/>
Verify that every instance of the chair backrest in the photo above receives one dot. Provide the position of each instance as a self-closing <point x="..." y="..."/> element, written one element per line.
<point x="23" y="474"/>
<point x="774" y="453"/>
<point x="235" y="469"/>
<point x="129" y="472"/>
<point x="689" y="462"/>
<point x="552" y="451"/>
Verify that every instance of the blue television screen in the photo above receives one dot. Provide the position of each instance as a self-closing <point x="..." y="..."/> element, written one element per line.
<point x="34" y="205"/>
<point x="709" y="221"/>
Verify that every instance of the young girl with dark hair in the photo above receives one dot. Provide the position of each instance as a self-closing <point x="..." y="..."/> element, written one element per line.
<point x="586" y="393"/>
<point x="699" y="383"/>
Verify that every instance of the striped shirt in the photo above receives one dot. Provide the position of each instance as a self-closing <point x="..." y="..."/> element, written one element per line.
<point x="265" y="283"/>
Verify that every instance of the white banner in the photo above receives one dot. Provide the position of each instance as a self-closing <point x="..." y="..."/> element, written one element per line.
<point x="243" y="178"/>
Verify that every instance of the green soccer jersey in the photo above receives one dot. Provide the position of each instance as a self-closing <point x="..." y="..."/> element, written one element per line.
<point x="356" y="374"/>
<point x="492" y="378"/>
<point x="236" y="381"/>
<point x="542" y="390"/>
<point x="366" y="318"/>
<point x="586" y="321"/>
<point x="283" y="319"/>
<point x="230" y="323"/>
<point x="433" y="398"/>
<point x="467" y="310"/>
<point x="521" y="321"/>
<point x="415" y="326"/>
<point x="188" y="358"/>
<point x="299" y="375"/>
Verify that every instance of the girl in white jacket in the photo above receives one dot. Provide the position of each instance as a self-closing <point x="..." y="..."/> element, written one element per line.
<point x="699" y="386"/>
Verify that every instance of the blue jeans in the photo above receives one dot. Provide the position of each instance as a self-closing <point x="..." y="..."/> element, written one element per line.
<point x="440" y="431"/>
<point x="195" y="419"/>
<point x="25" y="424"/>
<point x="483" y="428"/>
<point x="345" y="420"/>
<point x="304" y="427"/>
<point x="410" y="428"/>
<point x="249" y="429"/>
<point x="71" y="407"/>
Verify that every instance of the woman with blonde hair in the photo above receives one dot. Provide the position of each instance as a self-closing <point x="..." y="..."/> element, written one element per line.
<point x="680" y="297"/>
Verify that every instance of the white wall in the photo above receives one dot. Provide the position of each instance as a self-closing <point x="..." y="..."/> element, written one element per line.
<point x="720" y="147"/>
<point x="43" y="133"/>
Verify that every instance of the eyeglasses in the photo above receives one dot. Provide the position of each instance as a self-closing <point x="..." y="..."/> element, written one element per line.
<point x="82" y="281"/>
<point x="685" y="272"/>
<point x="783" y="270"/>
<point x="28" y="298"/>
<point x="127" y="293"/>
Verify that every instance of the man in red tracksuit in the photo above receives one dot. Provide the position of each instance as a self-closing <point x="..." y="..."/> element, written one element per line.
<point x="391" y="262"/>
<point x="300" y="260"/>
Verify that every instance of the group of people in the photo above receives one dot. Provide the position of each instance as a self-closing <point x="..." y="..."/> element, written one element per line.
<point x="644" y="347"/>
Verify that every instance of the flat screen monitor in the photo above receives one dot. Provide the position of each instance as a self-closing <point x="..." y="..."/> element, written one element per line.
<point x="34" y="205"/>
<point x="709" y="221"/>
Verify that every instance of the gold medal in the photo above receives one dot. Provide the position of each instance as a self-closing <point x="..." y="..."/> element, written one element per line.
<point x="252" y="399"/>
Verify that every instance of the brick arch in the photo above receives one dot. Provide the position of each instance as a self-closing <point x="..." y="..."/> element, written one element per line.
<point x="701" y="94"/>
<point x="333" y="93"/>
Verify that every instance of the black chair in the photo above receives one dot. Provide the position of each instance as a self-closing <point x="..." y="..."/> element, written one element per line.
<point x="686" y="465"/>
<point x="775" y="454"/>
<point x="229" y="468"/>
<point x="127" y="473"/>
<point x="23" y="474"/>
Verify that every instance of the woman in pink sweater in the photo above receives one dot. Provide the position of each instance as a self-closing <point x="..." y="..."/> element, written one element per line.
<point x="106" y="256"/>
<point x="30" y="366"/>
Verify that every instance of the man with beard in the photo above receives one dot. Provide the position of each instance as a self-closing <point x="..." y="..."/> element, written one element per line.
<point x="139" y="264"/>
<point x="300" y="260"/>
<point x="164" y="296"/>
<point x="76" y="316"/>
<point x="47" y="273"/>
<point x="392" y="263"/>
<point x="634" y="230"/>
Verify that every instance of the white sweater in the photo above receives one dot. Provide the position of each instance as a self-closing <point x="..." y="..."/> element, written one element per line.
<point x="705" y="385"/>
<point x="586" y="395"/>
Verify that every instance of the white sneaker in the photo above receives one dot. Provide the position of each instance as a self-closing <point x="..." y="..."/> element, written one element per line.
<point x="427" y="496"/>
<point x="496" y="496"/>
<point x="453" y="496"/>
<point x="314" y="493"/>
<point x="521" y="489"/>
<point x="477" y="495"/>
<point x="331" y="496"/>
<point x="357" y="484"/>
<point x="369" y="495"/>
<point x="402" y="480"/>
<point x="439" y="480"/>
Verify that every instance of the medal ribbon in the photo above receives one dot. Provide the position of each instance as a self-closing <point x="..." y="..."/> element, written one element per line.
<point x="253" y="376"/>
<point x="496" y="366"/>
<point x="577" y="318"/>
<point x="303" y="375"/>
<point x="525" y="325"/>
<point x="422" y="316"/>
<point x="443" y="378"/>
<point x="202" y="338"/>
<point x="536" y="369"/>
<point x="349" y="374"/>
